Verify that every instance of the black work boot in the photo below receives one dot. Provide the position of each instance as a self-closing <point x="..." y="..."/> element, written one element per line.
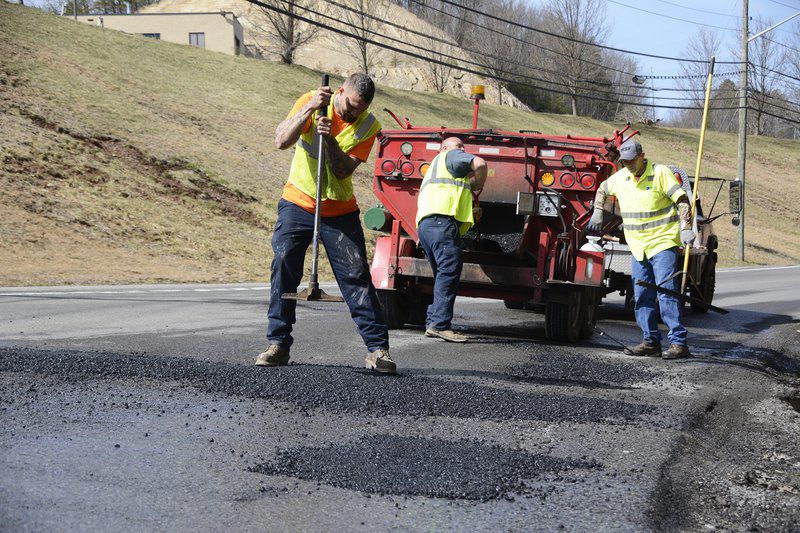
<point x="676" y="351"/>
<point x="645" y="349"/>
<point x="276" y="355"/>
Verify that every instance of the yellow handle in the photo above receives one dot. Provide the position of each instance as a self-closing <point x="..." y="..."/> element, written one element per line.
<point x="697" y="169"/>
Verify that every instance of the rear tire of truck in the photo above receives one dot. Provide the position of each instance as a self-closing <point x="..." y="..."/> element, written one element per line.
<point x="395" y="312"/>
<point x="707" y="285"/>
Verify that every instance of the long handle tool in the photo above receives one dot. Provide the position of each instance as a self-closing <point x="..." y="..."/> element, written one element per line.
<point x="682" y="296"/>
<point x="313" y="293"/>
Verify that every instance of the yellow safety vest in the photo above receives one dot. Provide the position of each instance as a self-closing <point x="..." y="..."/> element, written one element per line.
<point x="649" y="216"/>
<point x="441" y="193"/>
<point x="303" y="173"/>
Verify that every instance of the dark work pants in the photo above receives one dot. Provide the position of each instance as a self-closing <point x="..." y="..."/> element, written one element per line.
<point x="439" y="237"/>
<point x="343" y="239"/>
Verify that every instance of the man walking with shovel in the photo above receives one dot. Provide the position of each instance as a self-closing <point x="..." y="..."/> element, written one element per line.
<point x="347" y="132"/>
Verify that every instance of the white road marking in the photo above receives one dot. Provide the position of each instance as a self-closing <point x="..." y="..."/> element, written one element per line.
<point x="759" y="269"/>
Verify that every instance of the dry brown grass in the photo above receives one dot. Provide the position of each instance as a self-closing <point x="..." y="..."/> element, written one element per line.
<point x="130" y="160"/>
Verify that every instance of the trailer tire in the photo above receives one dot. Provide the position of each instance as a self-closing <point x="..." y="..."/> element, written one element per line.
<point x="707" y="285"/>
<point x="418" y="310"/>
<point x="563" y="321"/>
<point x="394" y="311"/>
<point x="589" y="304"/>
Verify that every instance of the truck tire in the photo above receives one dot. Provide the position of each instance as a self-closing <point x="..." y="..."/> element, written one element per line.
<point x="394" y="311"/>
<point x="562" y="322"/>
<point x="707" y="285"/>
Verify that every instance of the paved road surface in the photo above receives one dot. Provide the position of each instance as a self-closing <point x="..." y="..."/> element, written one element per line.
<point x="136" y="407"/>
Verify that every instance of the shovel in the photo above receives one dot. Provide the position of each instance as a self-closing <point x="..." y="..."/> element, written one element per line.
<point x="313" y="293"/>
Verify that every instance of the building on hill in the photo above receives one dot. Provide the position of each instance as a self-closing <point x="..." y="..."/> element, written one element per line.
<point x="327" y="51"/>
<point x="219" y="32"/>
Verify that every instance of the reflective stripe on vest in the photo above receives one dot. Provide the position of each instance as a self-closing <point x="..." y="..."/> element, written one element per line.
<point x="303" y="174"/>
<point x="649" y="216"/>
<point x="441" y="193"/>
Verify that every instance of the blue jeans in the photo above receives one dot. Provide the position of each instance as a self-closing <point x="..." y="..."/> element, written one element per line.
<point x="655" y="270"/>
<point x="343" y="239"/>
<point x="439" y="237"/>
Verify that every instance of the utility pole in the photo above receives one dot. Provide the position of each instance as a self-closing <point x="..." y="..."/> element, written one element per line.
<point x="742" y="133"/>
<point x="743" y="119"/>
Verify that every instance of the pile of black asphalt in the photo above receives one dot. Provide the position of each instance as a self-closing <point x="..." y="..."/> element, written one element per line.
<point x="582" y="371"/>
<point x="418" y="466"/>
<point x="338" y="389"/>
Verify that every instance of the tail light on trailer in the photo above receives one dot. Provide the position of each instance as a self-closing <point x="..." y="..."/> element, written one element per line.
<point x="587" y="181"/>
<point x="548" y="179"/>
<point x="567" y="180"/>
<point x="423" y="169"/>
<point x="406" y="168"/>
<point x="388" y="167"/>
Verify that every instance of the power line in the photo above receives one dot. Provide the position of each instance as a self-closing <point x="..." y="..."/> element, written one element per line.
<point x="456" y="67"/>
<point x="784" y="5"/>
<point x="670" y="17"/>
<point x="761" y="111"/>
<point x="519" y="39"/>
<point x="483" y="65"/>
<point x="698" y="10"/>
<point x="537" y="30"/>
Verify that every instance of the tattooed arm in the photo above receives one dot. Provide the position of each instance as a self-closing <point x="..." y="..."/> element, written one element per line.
<point x="684" y="212"/>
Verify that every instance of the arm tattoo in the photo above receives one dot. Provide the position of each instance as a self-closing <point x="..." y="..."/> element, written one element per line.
<point x="288" y="131"/>
<point x="684" y="213"/>
<point x="340" y="163"/>
<point x="600" y="198"/>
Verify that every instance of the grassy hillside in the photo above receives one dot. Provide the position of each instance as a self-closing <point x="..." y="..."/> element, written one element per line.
<point x="126" y="159"/>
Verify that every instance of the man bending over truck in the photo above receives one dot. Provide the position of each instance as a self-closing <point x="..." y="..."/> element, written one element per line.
<point x="445" y="211"/>
<point x="656" y="220"/>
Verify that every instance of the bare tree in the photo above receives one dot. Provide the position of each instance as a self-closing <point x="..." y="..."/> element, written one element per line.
<point x="503" y="56"/>
<point x="285" y="34"/>
<point x="438" y="73"/>
<point x="581" y="22"/>
<point x="700" y="46"/>
<point x="766" y="58"/>
<point x="363" y="20"/>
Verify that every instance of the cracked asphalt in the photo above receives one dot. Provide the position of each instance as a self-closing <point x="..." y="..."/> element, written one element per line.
<point x="138" y="408"/>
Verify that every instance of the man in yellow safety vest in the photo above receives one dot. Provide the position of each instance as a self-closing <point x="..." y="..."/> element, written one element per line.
<point x="445" y="211"/>
<point x="656" y="219"/>
<point x="348" y="132"/>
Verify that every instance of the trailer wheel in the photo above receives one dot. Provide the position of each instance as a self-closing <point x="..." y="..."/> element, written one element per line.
<point x="590" y="304"/>
<point x="707" y="285"/>
<point x="394" y="311"/>
<point x="562" y="322"/>
<point x="418" y="311"/>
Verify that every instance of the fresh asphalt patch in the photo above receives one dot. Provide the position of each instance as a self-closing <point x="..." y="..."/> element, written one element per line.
<point x="580" y="370"/>
<point x="418" y="466"/>
<point x="338" y="389"/>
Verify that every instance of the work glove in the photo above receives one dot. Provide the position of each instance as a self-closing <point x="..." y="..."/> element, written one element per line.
<point x="687" y="236"/>
<point x="477" y="212"/>
<point x="595" y="225"/>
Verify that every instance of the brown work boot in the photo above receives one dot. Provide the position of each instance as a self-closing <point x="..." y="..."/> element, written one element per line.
<point x="645" y="349"/>
<point x="276" y="355"/>
<point x="380" y="362"/>
<point x="676" y="351"/>
<point x="447" y="334"/>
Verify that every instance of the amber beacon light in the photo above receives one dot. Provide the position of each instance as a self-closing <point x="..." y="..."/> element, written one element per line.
<point x="477" y="93"/>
